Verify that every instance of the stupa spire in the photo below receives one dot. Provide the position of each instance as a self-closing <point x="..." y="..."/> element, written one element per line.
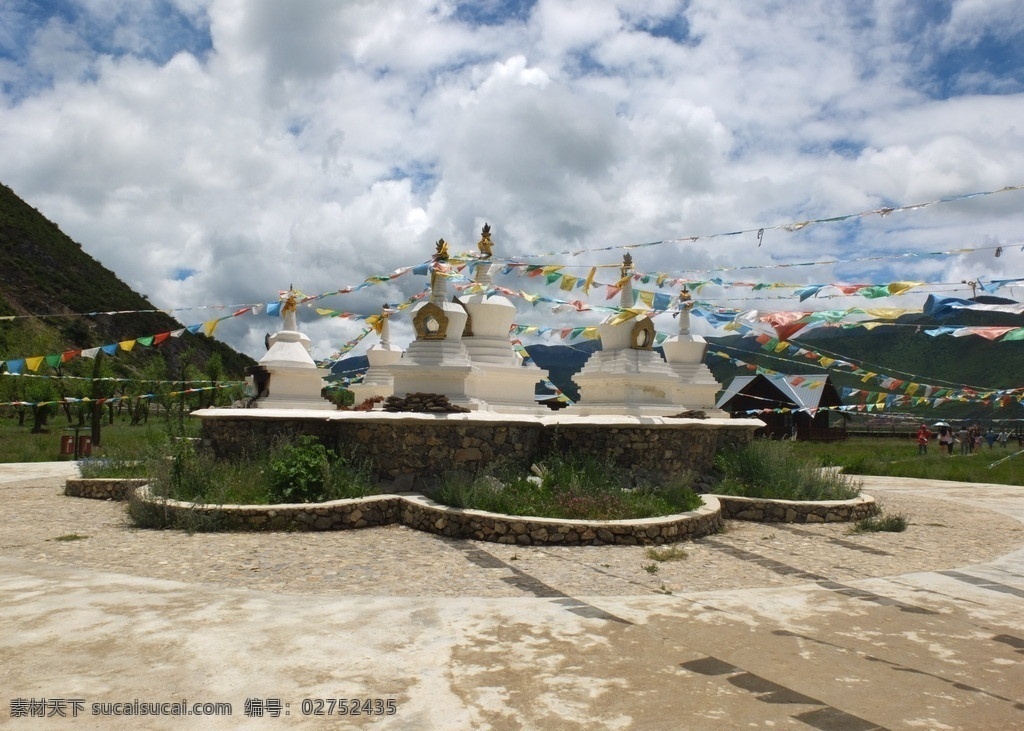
<point x="626" y="279"/>
<point x="438" y="283"/>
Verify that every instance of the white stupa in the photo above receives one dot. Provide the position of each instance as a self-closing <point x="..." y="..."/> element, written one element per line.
<point x="295" y="380"/>
<point x="685" y="355"/>
<point x="378" y="379"/>
<point x="437" y="360"/>
<point x="627" y="377"/>
<point x="500" y="380"/>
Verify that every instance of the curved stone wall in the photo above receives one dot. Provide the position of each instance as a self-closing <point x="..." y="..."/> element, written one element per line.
<point x="99" y="488"/>
<point x="424" y="514"/>
<point x="421" y="513"/>
<point x="790" y="511"/>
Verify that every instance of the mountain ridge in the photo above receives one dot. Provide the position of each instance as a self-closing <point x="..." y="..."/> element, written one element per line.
<point x="55" y="301"/>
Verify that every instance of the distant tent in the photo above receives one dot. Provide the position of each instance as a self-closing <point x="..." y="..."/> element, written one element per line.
<point x="807" y="401"/>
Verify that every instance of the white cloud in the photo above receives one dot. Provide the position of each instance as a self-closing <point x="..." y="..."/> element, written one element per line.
<point x="260" y="143"/>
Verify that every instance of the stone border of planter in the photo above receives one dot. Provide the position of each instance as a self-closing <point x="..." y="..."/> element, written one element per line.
<point x="762" y="510"/>
<point x="102" y="488"/>
<point x="422" y="513"/>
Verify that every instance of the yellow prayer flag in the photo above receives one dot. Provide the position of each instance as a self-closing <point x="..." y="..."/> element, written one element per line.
<point x="568" y="282"/>
<point x="886" y="313"/>
<point x="901" y="287"/>
<point x="33" y="364"/>
<point x="126" y="345"/>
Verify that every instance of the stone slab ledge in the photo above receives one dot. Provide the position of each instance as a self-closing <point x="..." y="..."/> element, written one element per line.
<point x="762" y="510"/>
<point x="482" y="417"/>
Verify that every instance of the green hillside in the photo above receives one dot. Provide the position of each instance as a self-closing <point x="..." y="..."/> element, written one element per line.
<point x="47" y="287"/>
<point x="902" y="351"/>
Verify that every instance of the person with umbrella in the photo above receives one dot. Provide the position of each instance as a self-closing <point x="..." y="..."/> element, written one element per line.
<point x="945" y="437"/>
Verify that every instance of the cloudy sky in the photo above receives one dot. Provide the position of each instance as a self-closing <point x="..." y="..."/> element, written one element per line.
<point x="211" y="152"/>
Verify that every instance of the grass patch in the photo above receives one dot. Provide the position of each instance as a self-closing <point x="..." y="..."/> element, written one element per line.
<point x="666" y="553"/>
<point x="895" y="523"/>
<point x="70" y="537"/>
<point x="771" y="470"/>
<point x="120" y="461"/>
<point x="651" y="568"/>
<point x="574" y="489"/>
<point x="300" y="471"/>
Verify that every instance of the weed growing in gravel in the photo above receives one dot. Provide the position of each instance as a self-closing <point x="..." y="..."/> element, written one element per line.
<point x="896" y="523"/>
<point x="666" y="553"/>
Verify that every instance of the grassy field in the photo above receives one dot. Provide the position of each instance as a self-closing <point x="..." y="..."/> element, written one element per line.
<point x="19" y="444"/>
<point x="899" y="458"/>
<point x="860" y="455"/>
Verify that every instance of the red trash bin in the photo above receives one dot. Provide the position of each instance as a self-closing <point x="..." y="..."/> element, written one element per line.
<point x="84" y="446"/>
<point x="67" y="444"/>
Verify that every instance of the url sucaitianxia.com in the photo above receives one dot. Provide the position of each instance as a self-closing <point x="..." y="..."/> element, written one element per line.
<point x="251" y="708"/>
<point x="75" y="707"/>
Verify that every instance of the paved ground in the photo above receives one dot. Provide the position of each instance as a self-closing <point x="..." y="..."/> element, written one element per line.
<point x="761" y="627"/>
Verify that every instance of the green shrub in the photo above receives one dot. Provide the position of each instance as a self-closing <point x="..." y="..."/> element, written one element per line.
<point x="299" y="472"/>
<point x="769" y="469"/>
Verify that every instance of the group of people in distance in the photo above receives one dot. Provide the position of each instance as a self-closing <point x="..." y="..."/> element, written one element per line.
<point x="968" y="437"/>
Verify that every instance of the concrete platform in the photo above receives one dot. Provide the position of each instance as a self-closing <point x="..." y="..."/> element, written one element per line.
<point x="940" y="649"/>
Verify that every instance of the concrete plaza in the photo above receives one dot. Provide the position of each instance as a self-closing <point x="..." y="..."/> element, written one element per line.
<point x="941" y="648"/>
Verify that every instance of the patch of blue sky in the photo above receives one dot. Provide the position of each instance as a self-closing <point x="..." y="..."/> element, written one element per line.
<point x="421" y="176"/>
<point x="183" y="273"/>
<point x="583" y="63"/>
<point x="297" y="126"/>
<point x="494" y="12"/>
<point x="675" y="28"/>
<point x="986" y="65"/>
<point x="156" y="30"/>
<point x="843" y="147"/>
<point x="989" y="62"/>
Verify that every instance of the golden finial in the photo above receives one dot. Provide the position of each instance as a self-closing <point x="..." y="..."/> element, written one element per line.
<point x="441" y="253"/>
<point x="289" y="302"/>
<point x="627" y="264"/>
<point x="685" y="300"/>
<point x="485" y="243"/>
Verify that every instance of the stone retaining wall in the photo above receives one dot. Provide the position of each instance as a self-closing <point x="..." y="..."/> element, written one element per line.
<point x="421" y="513"/>
<point x="790" y="511"/>
<point x="417" y="448"/>
<point x="424" y="514"/>
<point x="99" y="488"/>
